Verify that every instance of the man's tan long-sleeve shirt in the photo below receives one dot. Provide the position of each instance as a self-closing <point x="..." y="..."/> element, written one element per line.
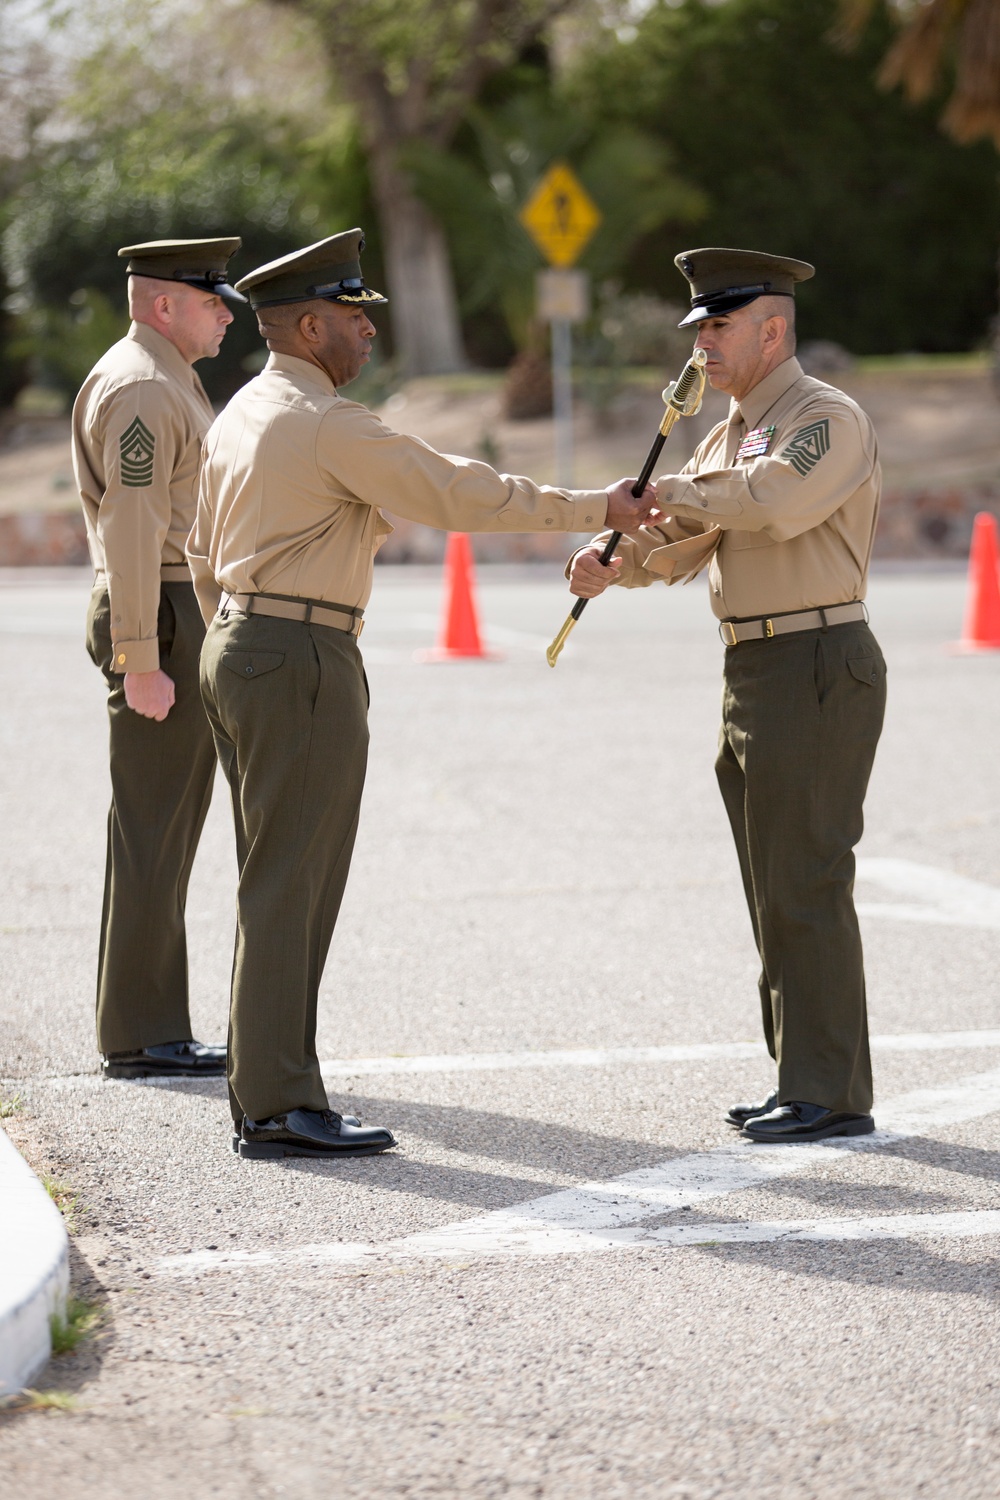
<point x="138" y="426"/>
<point x="293" y="477"/>
<point x="789" y="524"/>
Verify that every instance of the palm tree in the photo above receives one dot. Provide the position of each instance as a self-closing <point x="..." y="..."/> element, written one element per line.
<point x="933" y="34"/>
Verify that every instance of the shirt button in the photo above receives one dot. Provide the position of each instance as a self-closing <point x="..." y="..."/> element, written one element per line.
<point x="121" y="661"/>
<point x="589" y="520"/>
<point x="249" y="671"/>
<point x="548" y="520"/>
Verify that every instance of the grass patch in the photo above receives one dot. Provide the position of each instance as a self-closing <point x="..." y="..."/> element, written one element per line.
<point x="10" y="1107"/>
<point x="924" y="364"/>
<point x="46" y="1401"/>
<point x="68" y="1331"/>
<point x="65" y="1198"/>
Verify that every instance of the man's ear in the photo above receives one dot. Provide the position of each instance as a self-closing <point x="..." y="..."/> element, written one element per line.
<point x="777" y="329"/>
<point x="309" y="328"/>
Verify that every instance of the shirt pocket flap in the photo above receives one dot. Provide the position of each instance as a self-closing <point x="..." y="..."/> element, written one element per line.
<point x="864" y="668"/>
<point x="252" y="663"/>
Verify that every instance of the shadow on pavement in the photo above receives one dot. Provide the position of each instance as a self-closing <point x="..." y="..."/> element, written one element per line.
<point x="893" y="1265"/>
<point x="71" y="1373"/>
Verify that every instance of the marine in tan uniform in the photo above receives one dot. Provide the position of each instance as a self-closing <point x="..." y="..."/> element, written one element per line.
<point x="288" y="524"/>
<point x="138" y="425"/>
<point x="780" y="501"/>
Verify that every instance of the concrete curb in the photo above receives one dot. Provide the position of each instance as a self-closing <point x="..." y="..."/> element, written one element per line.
<point x="34" y="1270"/>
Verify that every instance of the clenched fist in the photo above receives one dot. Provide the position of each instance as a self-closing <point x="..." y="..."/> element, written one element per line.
<point x="589" y="577"/>
<point x="625" y="513"/>
<point x="150" y="694"/>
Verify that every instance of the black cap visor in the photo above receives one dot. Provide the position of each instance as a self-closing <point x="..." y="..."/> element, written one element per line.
<point x="206" y="281"/>
<point x="350" y="290"/>
<point x="717" y="304"/>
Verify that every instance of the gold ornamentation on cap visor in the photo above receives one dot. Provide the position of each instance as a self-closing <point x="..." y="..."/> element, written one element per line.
<point x="367" y="294"/>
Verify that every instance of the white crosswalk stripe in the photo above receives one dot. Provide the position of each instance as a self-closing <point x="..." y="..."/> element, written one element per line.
<point x="602" y="1216"/>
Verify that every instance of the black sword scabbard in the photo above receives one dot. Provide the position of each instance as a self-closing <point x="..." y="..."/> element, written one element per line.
<point x="682" y="399"/>
<point x="616" y="536"/>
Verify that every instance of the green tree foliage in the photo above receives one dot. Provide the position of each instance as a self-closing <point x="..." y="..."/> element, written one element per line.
<point x="165" y="135"/>
<point x="412" y="68"/>
<point x="477" y="190"/>
<point x="799" y="152"/>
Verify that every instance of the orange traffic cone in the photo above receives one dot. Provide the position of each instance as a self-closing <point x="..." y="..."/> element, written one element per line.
<point x="981" y="628"/>
<point x="459" y="636"/>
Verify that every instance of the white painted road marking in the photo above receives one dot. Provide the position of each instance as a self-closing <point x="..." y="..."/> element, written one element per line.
<point x="603" y="1057"/>
<point x="587" y="1057"/>
<point x="935" y="896"/>
<point x="603" y="1216"/>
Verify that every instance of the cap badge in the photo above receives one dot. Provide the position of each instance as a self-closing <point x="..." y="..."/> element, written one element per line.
<point x="755" y="444"/>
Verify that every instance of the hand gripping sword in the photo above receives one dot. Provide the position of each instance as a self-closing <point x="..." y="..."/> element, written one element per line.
<point x="682" y="398"/>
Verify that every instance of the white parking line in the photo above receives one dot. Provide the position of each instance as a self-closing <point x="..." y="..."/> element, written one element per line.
<point x="587" y="1057"/>
<point x="603" y="1057"/>
<point x="603" y="1216"/>
<point x="935" y="896"/>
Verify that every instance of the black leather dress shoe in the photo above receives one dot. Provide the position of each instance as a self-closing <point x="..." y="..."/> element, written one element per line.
<point x="797" y="1121"/>
<point x="167" y="1060"/>
<point x="238" y="1129"/>
<point x="741" y="1113"/>
<point x="311" y="1132"/>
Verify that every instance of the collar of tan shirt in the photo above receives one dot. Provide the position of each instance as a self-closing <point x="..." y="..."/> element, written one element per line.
<point x="758" y="402"/>
<point x="303" y="371"/>
<point x="164" y="352"/>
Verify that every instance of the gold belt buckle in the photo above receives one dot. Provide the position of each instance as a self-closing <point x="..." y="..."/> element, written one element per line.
<point x="768" y="628"/>
<point x="728" y="632"/>
<point x="361" y="626"/>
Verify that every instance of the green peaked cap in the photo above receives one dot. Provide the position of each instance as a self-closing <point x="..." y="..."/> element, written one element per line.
<point x="723" y="280"/>
<point x="330" y="269"/>
<point x="200" y="263"/>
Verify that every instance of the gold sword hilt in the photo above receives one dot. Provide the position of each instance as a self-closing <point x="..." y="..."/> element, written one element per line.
<point x="682" y="398"/>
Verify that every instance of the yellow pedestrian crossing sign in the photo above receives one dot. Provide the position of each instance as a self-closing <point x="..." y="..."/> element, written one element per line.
<point x="560" y="216"/>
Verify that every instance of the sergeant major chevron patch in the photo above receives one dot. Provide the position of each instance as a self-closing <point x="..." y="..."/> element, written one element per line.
<point x="137" y="446"/>
<point x="808" y="446"/>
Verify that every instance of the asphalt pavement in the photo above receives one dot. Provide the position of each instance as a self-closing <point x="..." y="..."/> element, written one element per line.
<point x="570" y="1280"/>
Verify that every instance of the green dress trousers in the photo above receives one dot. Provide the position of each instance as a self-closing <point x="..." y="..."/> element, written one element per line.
<point x="161" y="785"/>
<point x="288" y="706"/>
<point x="801" y="718"/>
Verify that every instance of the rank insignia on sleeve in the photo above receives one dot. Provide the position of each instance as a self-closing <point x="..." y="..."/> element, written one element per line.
<point x="756" y="443"/>
<point x="137" y="446"/>
<point x="808" y="446"/>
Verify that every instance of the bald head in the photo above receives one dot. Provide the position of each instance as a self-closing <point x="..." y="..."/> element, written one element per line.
<point x="194" y="321"/>
<point x="280" y="326"/>
<point x="336" y="336"/>
<point x="763" y="308"/>
<point x="743" y="346"/>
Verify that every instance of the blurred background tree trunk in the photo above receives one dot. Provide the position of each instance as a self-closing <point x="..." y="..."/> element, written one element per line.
<point x="411" y="71"/>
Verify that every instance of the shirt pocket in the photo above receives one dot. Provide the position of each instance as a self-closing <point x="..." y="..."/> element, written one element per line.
<point x="369" y="541"/>
<point x="251" y="664"/>
<point x="743" y="541"/>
